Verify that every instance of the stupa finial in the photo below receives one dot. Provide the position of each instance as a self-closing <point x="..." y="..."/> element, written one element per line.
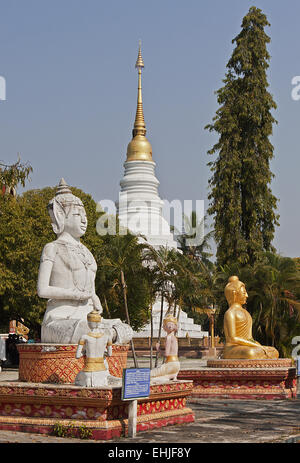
<point x="139" y="123"/>
<point x="140" y="62"/>
<point x="139" y="149"/>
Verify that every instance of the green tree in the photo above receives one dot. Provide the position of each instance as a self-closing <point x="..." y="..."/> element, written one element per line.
<point x="198" y="284"/>
<point x="198" y="268"/>
<point x="275" y="301"/>
<point x="12" y="175"/>
<point x="194" y="242"/>
<point x="121" y="269"/>
<point x="240" y="197"/>
<point x="187" y="286"/>
<point x="161" y="264"/>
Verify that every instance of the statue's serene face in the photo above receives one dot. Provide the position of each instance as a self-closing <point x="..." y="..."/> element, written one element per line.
<point x="76" y="222"/>
<point x="94" y="325"/>
<point x="170" y="326"/>
<point x="241" y="295"/>
<point x="236" y="294"/>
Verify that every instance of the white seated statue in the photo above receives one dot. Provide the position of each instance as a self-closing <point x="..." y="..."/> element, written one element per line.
<point x="169" y="370"/>
<point x="93" y="346"/>
<point x="67" y="276"/>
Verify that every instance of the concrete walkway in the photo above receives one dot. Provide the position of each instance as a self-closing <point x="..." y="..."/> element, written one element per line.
<point x="216" y="421"/>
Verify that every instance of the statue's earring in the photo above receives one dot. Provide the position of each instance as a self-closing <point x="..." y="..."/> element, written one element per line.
<point x="234" y="296"/>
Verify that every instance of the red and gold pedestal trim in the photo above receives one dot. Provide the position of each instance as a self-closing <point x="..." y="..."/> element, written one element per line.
<point x="251" y="363"/>
<point x="56" y="363"/>
<point x="118" y="361"/>
<point x="37" y="408"/>
<point x="242" y="383"/>
<point x="98" y="431"/>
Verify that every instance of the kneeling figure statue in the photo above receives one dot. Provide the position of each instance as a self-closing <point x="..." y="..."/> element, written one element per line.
<point x="170" y="369"/>
<point x="93" y="345"/>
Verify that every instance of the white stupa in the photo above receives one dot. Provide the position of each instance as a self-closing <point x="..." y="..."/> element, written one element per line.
<point x="140" y="207"/>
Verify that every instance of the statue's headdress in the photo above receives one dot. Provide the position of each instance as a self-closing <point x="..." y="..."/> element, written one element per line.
<point x="60" y="205"/>
<point x="170" y="318"/>
<point x="94" y="316"/>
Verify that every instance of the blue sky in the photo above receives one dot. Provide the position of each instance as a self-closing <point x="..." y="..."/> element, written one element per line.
<point x="71" y="92"/>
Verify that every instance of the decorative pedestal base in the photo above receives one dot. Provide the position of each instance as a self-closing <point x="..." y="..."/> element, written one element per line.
<point x="56" y="363"/>
<point x="99" y="412"/>
<point x="243" y="379"/>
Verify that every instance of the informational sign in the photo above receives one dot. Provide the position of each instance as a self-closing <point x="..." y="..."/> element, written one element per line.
<point x="136" y="383"/>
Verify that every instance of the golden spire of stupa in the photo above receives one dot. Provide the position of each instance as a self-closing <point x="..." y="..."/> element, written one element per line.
<point x="139" y="149"/>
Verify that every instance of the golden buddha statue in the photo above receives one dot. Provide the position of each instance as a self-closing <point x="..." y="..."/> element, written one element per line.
<point x="238" y="327"/>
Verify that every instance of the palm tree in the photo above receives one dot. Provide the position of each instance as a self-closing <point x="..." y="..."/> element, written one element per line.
<point x="122" y="255"/>
<point x="161" y="262"/>
<point x="176" y="279"/>
<point x="186" y="283"/>
<point x="194" y="242"/>
<point x="197" y="290"/>
<point x="195" y="245"/>
<point x="275" y="301"/>
<point x="152" y="296"/>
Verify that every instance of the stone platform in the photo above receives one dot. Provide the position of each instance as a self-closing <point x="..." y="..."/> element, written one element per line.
<point x="56" y="363"/>
<point x="37" y="408"/>
<point x="243" y="379"/>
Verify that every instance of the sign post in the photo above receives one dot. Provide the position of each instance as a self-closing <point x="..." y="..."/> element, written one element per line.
<point x="135" y="385"/>
<point x="132" y="418"/>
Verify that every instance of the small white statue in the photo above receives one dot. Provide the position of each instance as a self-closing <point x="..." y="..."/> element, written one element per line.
<point x="93" y="345"/>
<point x="168" y="370"/>
<point x="67" y="276"/>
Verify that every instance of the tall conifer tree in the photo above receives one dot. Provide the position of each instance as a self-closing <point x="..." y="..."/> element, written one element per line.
<point x="241" y="199"/>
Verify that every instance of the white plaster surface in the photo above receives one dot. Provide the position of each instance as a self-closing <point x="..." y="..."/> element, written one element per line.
<point x="139" y="205"/>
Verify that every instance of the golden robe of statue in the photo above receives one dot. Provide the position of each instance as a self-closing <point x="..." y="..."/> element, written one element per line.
<point x="238" y="327"/>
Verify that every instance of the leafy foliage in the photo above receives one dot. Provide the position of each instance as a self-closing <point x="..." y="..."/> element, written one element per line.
<point x="241" y="200"/>
<point x="194" y="242"/>
<point x="14" y="174"/>
<point x="121" y="273"/>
